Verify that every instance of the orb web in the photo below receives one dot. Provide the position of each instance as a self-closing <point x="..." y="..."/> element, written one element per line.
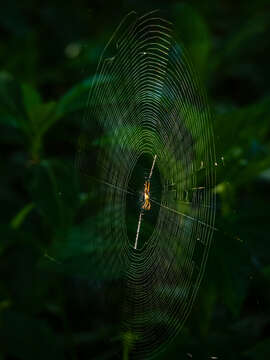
<point x="155" y="119"/>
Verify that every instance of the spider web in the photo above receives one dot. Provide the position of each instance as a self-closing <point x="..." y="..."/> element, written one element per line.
<point x="149" y="103"/>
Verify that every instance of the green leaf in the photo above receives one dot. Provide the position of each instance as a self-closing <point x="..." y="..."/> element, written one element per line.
<point x="245" y="37"/>
<point x="22" y="108"/>
<point x="237" y="127"/>
<point x="74" y="99"/>
<point x="31" y="99"/>
<point x="266" y="272"/>
<point x="71" y="254"/>
<point x="242" y="146"/>
<point x="194" y="33"/>
<point x="231" y="281"/>
<point x="53" y="188"/>
<point x="18" y="219"/>
<point x="43" y="117"/>
<point x="12" y="111"/>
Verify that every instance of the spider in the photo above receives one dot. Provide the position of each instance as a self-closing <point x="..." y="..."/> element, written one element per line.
<point x="146" y="196"/>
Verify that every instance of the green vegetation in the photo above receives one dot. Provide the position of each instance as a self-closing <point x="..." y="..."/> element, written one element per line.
<point x="51" y="298"/>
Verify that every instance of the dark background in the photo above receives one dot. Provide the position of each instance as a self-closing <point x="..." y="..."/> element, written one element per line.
<point x="48" y="53"/>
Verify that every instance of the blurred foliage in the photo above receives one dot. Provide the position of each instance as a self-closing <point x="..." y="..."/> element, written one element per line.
<point x="48" y="286"/>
